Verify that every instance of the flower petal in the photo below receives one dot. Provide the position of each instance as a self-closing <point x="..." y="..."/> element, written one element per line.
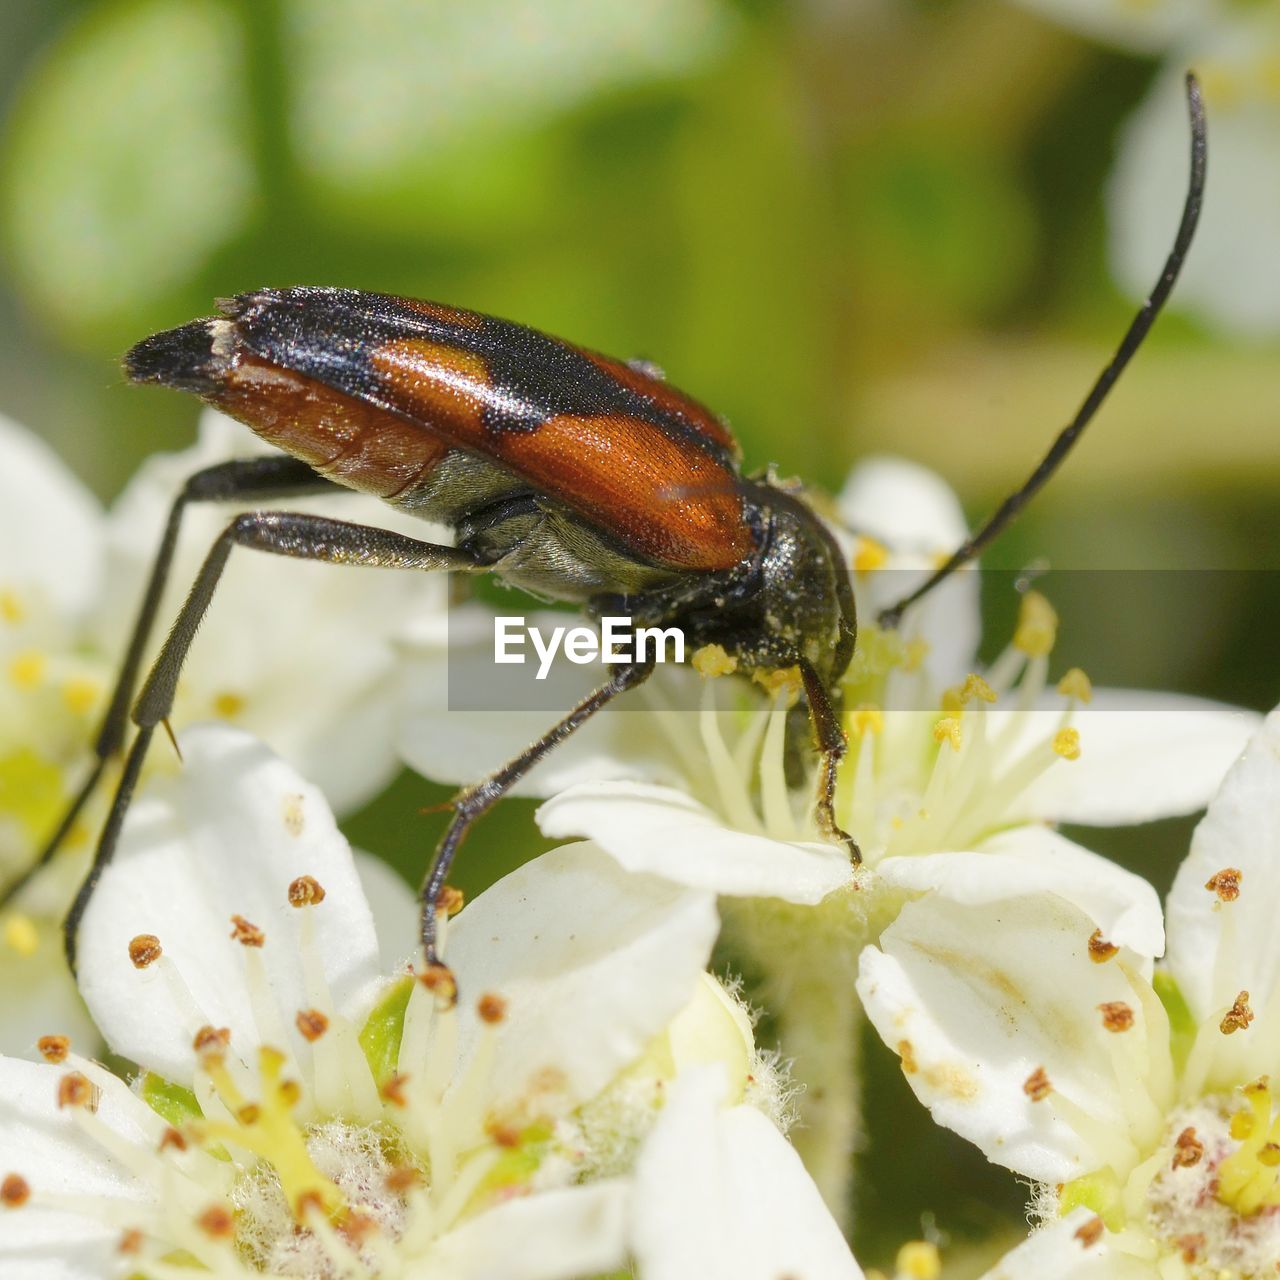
<point x="1058" y="1252"/>
<point x="1220" y="945"/>
<point x="50" y="525"/>
<point x="1143" y="755"/>
<point x="1034" y="859"/>
<point x="669" y="834"/>
<point x="913" y="512"/>
<point x="42" y="1144"/>
<point x="1146" y="28"/>
<point x="396" y="915"/>
<point x="550" y="1235"/>
<point x="1232" y="279"/>
<point x="592" y="961"/>
<point x="976" y="1000"/>
<point x="225" y="837"/>
<point x="721" y="1195"/>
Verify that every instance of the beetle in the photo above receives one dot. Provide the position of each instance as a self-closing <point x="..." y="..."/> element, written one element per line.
<point x="573" y="475"/>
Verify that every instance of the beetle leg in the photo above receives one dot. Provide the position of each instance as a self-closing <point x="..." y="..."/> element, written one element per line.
<point x="468" y="805"/>
<point x="832" y="744"/>
<point x="286" y="533"/>
<point x="245" y="479"/>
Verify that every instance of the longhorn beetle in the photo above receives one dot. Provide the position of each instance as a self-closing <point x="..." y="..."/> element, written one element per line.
<point x="573" y="475"/>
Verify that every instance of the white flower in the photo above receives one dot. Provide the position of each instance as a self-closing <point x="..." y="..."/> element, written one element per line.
<point x="300" y="1114"/>
<point x="949" y="779"/>
<point x="302" y="657"/>
<point x="1232" y="275"/>
<point x="1143" y="1102"/>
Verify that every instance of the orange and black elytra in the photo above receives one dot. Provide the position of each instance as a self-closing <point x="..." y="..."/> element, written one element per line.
<point x="565" y="472"/>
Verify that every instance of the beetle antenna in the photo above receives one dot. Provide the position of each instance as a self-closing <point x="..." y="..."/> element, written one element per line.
<point x="1132" y="340"/>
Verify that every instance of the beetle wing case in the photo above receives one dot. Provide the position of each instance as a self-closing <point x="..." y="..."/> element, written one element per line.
<point x="376" y="392"/>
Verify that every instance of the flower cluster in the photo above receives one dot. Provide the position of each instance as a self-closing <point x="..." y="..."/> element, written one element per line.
<point x="580" y="1093"/>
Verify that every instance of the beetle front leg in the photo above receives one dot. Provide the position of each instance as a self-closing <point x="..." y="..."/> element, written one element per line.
<point x="286" y="533"/>
<point x="468" y="805"/>
<point x="832" y="745"/>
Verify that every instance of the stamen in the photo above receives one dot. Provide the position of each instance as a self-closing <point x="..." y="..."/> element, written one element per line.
<point x="54" y="1048"/>
<point x="1037" y="1086"/>
<point x="1037" y="629"/>
<point x="312" y="1024"/>
<point x="1100" y="950"/>
<point x="245" y="933"/>
<point x="145" y="950"/>
<point x="1238" y="1017"/>
<point x="1225" y="883"/>
<point x="76" y="1090"/>
<point x="305" y="891"/>
<point x="1066" y="743"/>
<point x="1076" y="685"/>
<point x="15" y="1191"/>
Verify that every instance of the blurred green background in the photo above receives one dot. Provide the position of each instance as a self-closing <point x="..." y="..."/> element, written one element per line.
<point x="849" y="225"/>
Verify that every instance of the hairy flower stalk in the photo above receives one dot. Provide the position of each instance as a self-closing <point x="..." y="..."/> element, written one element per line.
<point x="1143" y="1102"/>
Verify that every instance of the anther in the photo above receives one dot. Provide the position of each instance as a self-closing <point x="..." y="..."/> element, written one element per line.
<point x="976" y="687"/>
<point x="305" y="891"/>
<point x="869" y="555"/>
<point x="1037" y="629"/>
<point x="217" y="1222"/>
<point x="209" y="1038"/>
<point x="289" y="1092"/>
<point x="1089" y="1233"/>
<point x="492" y="1008"/>
<point x="172" y="1137"/>
<point x="1036" y="1086"/>
<point x="450" y="901"/>
<point x="1238" y="1017"/>
<point x="249" y="1114"/>
<point x="1188" y="1150"/>
<point x="402" y="1177"/>
<point x="54" y="1048"/>
<point x="780" y="680"/>
<point x="306" y="1203"/>
<point x="918" y="1260"/>
<point x="1190" y="1246"/>
<point x="356" y="1226"/>
<point x="1225" y="883"/>
<point x="144" y="950"/>
<point x="1066" y="743"/>
<point x="1075" y="684"/>
<point x="503" y="1134"/>
<point x="246" y="934"/>
<point x="76" y="1090"/>
<point x="15" y="1191"/>
<point x="439" y="980"/>
<point x="312" y="1024"/>
<point x="131" y="1242"/>
<point x="1100" y="950"/>
<point x="1116" y="1015"/>
<point x="1269" y="1154"/>
<point x="865" y="719"/>
<point x="713" y="660"/>
<point x="21" y="934"/>
<point x="947" y="730"/>
<point x="392" y="1090"/>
